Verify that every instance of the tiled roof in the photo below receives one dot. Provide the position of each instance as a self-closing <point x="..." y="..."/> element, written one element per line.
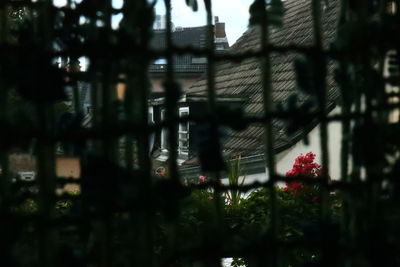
<point x="244" y="79"/>
<point x="182" y="37"/>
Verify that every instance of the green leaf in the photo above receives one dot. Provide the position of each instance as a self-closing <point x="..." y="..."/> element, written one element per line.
<point x="275" y="12"/>
<point x="193" y="4"/>
<point x="346" y="84"/>
<point x="256" y="12"/>
<point x="304" y="75"/>
<point x="234" y="195"/>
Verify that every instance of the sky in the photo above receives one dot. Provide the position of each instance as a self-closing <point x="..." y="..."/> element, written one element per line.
<point x="235" y="14"/>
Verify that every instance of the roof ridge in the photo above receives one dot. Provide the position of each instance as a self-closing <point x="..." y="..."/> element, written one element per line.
<point x="181" y="27"/>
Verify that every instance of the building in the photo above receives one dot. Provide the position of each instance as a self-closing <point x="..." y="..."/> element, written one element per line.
<point x="24" y="167"/>
<point x="83" y="90"/>
<point x="187" y="68"/>
<point x="160" y="22"/>
<point x="240" y="85"/>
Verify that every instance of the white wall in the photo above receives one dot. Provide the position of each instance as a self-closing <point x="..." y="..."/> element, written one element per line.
<point x="285" y="159"/>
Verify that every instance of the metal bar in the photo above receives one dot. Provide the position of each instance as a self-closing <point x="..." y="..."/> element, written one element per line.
<point x="85" y="50"/>
<point x="5" y="177"/>
<point x="46" y="175"/>
<point x="212" y="109"/>
<point x="172" y="92"/>
<point x="269" y="135"/>
<point x="172" y="95"/>
<point x="344" y="168"/>
<point x="45" y="158"/>
<point x="103" y="228"/>
<point x="107" y="129"/>
<point x="143" y="142"/>
<point x="320" y="82"/>
<point x="321" y="91"/>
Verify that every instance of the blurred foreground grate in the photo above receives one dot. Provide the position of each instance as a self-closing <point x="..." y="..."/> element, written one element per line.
<point x="120" y="162"/>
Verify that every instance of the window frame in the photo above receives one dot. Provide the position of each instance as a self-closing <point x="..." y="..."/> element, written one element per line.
<point x="164" y="137"/>
<point x="183" y="150"/>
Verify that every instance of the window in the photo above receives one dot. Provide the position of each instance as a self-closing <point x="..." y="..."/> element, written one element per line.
<point x="199" y="60"/>
<point x="150" y="118"/>
<point x="183" y="133"/>
<point x="87" y="109"/>
<point x="160" y="61"/>
<point x="220" y="47"/>
<point x="27" y="175"/>
<point x="164" y="141"/>
<point x="151" y="115"/>
<point x="393" y="70"/>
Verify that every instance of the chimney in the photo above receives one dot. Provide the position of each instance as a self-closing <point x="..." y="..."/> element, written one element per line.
<point x="221" y="42"/>
<point x="220" y="30"/>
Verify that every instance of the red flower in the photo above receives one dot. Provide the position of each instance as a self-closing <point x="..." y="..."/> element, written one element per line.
<point x="315" y="199"/>
<point x="203" y="179"/>
<point x="303" y="166"/>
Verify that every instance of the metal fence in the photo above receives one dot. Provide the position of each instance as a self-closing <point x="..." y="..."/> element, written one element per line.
<point x="115" y="219"/>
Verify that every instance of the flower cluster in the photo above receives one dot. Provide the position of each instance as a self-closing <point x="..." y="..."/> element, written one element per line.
<point x="303" y="166"/>
<point x="203" y="179"/>
<point x="161" y="172"/>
